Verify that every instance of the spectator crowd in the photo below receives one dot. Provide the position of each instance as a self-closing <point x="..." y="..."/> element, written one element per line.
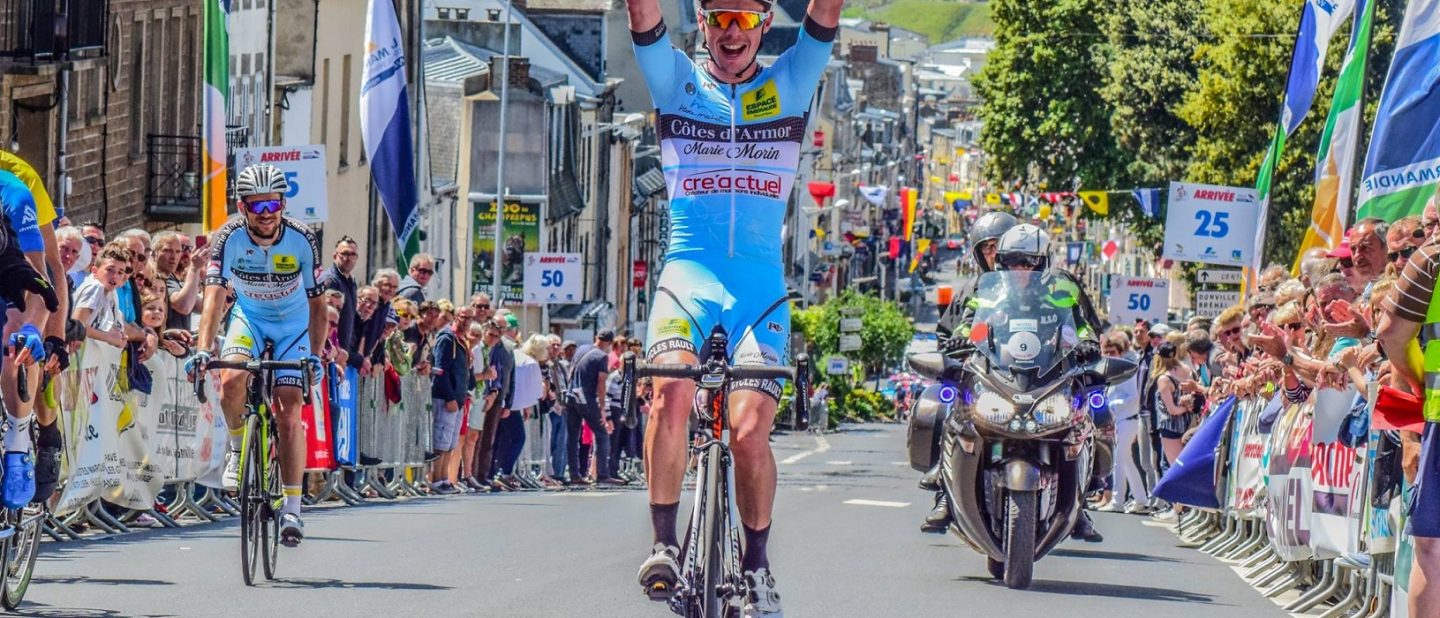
<point x="492" y="386"/>
<point x="1350" y="317"/>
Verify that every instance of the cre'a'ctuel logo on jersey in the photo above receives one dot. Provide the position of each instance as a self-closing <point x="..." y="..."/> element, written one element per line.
<point x="285" y="263"/>
<point x="762" y="102"/>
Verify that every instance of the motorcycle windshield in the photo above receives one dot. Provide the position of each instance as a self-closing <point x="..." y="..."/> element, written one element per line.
<point x="1024" y="323"/>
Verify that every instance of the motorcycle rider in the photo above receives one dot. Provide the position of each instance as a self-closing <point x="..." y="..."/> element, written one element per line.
<point x="984" y="242"/>
<point x="1026" y="247"/>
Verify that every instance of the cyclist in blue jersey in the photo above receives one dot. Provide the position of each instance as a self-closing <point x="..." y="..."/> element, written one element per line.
<point x="23" y="257"/>
<point x="730" y="134"/>
<point x="269" y="260"/>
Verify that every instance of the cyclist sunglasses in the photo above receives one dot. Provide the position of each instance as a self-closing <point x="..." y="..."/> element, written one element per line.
<point x="721" y="18"/>
<point x="265" y="207"/>
<point x="1403" y="253"/>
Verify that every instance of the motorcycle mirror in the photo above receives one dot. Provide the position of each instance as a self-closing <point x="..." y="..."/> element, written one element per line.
<point x="928" y="364"/>
<point x="1116" y="370"/>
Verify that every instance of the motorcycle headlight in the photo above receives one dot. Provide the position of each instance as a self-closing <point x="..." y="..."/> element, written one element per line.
<point x="1053" y="410"/>
<point x="992" y="407"/>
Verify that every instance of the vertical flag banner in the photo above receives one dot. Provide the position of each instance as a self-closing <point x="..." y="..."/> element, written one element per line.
<point x="1403" y="165"/>
<point x="213" y="207"/>
<point x="907" y="209"/>
<point x="920" y="248"/>
<point x="1149" y="201"/>
<point x="1098" y="201"/>
<point x="1335" y="172"/>
<point x="1318" y="22"/>
<point x="385" y="125"/>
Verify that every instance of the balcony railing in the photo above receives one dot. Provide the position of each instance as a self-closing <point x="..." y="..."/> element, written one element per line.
<point x="172" y="192"/>
<point x="46" y="30"/>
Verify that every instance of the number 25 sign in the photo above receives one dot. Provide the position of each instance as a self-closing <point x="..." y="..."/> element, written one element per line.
<point x="1211" y="224"/>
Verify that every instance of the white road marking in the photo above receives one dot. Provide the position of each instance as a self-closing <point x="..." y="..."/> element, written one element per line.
<point x="821" y="445"/>
<point x="841" y="463"/>
<point x="884" y="503"/>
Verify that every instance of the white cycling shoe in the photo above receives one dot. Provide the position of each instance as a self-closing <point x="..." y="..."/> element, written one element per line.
<point x="230" y="480"/>
<point x="761" y="599"/>
<point x="292" y="530"/>
<point x="660" y="572"/>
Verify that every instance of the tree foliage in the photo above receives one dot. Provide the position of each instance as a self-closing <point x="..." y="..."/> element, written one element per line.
<point x="1187" y="91"/>
<point x="1045" y="122"/>
<point x="884" y="334"/>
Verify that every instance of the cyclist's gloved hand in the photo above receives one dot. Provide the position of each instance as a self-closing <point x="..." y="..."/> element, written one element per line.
<point x="197" y="363"/>
<point x="28" y="338"/>
<point x="315" y="366"/>
<point x="14" y="289"/>
<point x="55" y="348"/>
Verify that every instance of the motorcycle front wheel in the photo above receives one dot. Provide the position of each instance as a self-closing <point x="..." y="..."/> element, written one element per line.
<point x="1020" y="514"/>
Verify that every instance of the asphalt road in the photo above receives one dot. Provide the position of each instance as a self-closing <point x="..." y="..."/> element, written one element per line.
<point x="575" y="554"/>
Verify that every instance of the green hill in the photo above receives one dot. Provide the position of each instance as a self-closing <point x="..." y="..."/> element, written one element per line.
<point x="940" y="20"/>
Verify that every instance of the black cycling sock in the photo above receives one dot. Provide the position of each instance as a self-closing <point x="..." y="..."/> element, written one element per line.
<point x="662" y="518"/>
<point x="49" y="435"/>
<point x="754" y="556"/>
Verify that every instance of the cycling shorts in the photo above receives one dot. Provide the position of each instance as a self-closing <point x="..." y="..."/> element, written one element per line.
<point x="247" y="337"/>
<point x="746" y="298"/>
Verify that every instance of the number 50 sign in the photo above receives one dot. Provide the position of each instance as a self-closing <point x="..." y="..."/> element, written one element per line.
<point x="1211" y="224"/>
<point x="1134" y="298"/>
<point x="552" y="278"/>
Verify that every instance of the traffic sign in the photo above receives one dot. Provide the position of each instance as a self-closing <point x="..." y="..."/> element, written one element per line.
<point x="1220" y="275"/>
<point x="837" y="365"/>
<point x="1134" y="298"/>
<point x="850" y="325"/>
<point x="552" y="278"/>
<point x="1210" y="304"/>
<point x="849" y="343"/>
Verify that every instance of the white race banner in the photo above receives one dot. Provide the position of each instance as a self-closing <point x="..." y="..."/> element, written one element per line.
<point x="1210" y="224"/>
<point x="553" y="278"/>
<point x="304" y="167"/>
<point x="1134" y="298"/>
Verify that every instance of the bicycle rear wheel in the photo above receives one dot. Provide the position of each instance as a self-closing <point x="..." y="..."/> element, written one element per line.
<point x="270" y="523"/>
<point x="20" y="553"/>
<point x="252" y="501"/>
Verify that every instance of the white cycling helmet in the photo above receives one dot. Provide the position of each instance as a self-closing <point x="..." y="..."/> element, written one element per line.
<point x="260" y="178"/>
<point x="1024" y="244"/>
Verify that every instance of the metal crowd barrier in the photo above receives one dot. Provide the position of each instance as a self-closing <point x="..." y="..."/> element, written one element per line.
<point x="1341" y="559"/>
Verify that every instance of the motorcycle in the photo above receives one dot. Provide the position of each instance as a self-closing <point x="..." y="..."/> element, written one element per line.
<point x="1010" y="422"/>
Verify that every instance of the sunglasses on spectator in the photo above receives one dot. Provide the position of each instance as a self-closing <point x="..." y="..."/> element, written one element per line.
<point x="348" y="254"/>
<point x="95" y="241"/>
<point x="1403" y="253"/>
<point x="479" y="306"/>
<point x="425" y="271"/>
<point x="720" y="18"/>
<point x="265" y="207"/>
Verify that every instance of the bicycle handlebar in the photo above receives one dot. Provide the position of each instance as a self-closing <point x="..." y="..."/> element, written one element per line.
<point x="256" y="367"/>
<point x="800" y="374"/>
<point x="742" y="372"/>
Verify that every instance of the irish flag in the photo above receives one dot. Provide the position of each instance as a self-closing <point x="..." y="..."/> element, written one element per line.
<point x="1335" y="173"/>
<point x="217" y="93"/>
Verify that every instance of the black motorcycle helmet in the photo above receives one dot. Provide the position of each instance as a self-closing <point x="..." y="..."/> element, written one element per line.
<point x="990" y="226"/>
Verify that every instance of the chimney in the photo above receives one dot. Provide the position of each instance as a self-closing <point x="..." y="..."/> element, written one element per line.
<point x="863" y="53"/>
<point x="519" y="72"/>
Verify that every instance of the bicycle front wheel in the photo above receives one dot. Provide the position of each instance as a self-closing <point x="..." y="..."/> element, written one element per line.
<point x="20" y="553"/>
<point x="252" y="501"/>
<point x="270" y="522"/>
<point x="711" y="575"/>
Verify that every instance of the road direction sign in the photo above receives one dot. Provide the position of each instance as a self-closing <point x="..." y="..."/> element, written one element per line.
<point x="850" y="325"/>
<point x="1210" y="304"/>
<point x="849" y="343"/>
<point x="1219" y="275"/>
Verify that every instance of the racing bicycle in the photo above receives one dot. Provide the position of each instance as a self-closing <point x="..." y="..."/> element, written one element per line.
<point x="711" y="584"/>
<point x="260" y="493"/>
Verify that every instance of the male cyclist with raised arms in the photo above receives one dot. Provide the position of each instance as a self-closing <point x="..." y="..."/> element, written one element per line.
<point x="269" y="259"/>
<point x="730" y="137"/>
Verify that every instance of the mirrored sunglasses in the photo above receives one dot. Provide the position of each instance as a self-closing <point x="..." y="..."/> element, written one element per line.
<point x="720" y="18"/>
<point x="265" y="207"/>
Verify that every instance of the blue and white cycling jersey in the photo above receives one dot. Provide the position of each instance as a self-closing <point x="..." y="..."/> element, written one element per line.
<point x="730" y="151"/>
<point x="20" y="211"/>
<point x="272" y="284"/>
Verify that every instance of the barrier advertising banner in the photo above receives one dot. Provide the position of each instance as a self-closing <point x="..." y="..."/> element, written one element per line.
<point x="316" y="418"/>
<point x="344" y="409"/>
<point x="1288" y="490"/>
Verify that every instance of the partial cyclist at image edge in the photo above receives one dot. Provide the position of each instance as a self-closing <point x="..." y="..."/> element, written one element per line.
<point x="269" y="260"/>
<point x="22" y="260"/>
<point x="731" y="132"/>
